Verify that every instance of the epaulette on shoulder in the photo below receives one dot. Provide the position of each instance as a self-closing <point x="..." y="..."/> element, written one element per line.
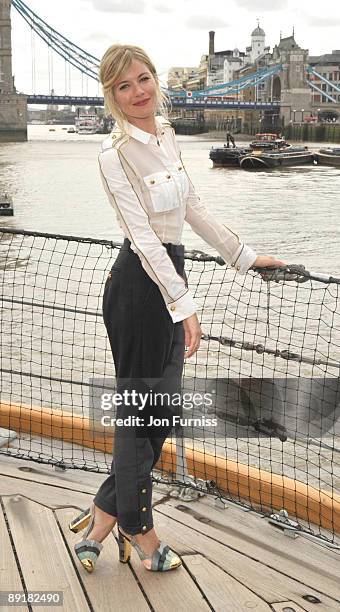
<point x="115" y="139"/>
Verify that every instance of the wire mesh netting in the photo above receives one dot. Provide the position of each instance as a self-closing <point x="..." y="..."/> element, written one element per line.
<point x="266" y="435"/>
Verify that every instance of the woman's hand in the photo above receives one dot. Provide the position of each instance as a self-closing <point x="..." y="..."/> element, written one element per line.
<point x="267" y="261"/>
<point x="193" y="333"/>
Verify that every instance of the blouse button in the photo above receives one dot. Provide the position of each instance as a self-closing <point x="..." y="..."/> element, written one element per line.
<point x="172" y="307"/>
<point x="152" y="182"/>
<point x="180" y="168"/>
<point x="168" y="176"/>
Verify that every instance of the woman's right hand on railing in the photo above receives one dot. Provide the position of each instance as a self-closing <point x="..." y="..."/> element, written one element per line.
<point x="264" y="261"/>
<point x="193" y="333"/>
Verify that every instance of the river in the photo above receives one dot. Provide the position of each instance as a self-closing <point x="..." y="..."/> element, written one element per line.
<point x="292" y="213"/>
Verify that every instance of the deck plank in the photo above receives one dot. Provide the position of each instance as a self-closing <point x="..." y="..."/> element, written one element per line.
<point x="47" y="495"/>
<point x="112" y="585"/>
<point x="224" y="593"/>
<point x="287" y="606"/>
<point x="70" y="479"/>
<point x="255" y="526"/>
<point x="173" y="590"/>
<point x="9" y="573"/>
<point x="44" y="560"/>
<point x="317" y="566"/>
<point x="269" y="584"/>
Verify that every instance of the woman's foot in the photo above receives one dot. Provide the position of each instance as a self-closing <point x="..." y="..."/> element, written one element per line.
<point x="147" y="541"/>
<point x="103" y="524"/>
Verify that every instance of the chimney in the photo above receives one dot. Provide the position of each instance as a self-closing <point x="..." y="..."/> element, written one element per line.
<point x="211" y="43"/>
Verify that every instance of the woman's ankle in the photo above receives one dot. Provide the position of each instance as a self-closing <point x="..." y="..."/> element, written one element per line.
<point x="103" y="525"/>
<point x="100" y="532"/>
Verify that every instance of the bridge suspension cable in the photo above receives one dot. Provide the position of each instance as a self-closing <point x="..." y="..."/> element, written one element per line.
<point x="33" y="61"/>
<point x="76" y="56"/>
<point x="331" y="86"/>
<point x="235" y="86"/>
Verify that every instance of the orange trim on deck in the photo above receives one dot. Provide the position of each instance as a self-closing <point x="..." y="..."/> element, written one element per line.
<point x="261" y="488"/>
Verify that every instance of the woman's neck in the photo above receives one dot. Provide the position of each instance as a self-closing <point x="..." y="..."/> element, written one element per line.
<point x="147" y="125"/>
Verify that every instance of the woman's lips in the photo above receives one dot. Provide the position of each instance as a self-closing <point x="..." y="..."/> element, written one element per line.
<point x="142" y="102"/>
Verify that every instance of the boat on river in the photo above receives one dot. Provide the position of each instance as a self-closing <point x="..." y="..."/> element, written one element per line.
<point x="232" y="156"/>
<point x="6" y="205"/>
<point x="328" y="157"/>
<point x="269" y="141"/>
<point x="228" y="156"/>
<point x="294" y="156"/>
<point x="87" y="123"/>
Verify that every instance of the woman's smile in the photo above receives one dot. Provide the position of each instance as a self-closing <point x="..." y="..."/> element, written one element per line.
<point x="142" y="102"/>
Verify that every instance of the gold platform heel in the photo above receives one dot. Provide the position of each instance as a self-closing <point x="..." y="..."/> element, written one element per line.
<point x="124" y="546"/>
<point x="81" y="521"/>
<point x="88" y="551"/>
<point x="162" y="559"/>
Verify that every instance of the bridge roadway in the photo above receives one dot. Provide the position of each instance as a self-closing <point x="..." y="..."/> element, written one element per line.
<point x="176" y="103"/>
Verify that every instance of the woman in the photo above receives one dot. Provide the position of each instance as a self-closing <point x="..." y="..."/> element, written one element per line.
<point x="148" y="309"/>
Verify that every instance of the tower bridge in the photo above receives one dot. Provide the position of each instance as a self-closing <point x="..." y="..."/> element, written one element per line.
<point x="277" y="83"/>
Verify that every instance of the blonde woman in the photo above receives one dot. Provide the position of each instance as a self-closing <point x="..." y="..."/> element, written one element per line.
<point x="148" y="310"/>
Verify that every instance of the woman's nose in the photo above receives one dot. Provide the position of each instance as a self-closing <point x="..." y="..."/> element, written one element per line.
<point x="138" y="89"/>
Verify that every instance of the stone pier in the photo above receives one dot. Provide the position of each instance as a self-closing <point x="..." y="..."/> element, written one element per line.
<point x="13" y="105"/>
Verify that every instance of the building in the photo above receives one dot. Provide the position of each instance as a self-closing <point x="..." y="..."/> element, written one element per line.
<point x="13" y="106"/>
<point x="222" y="65"/>
<point x="257" y="47"/>
<point x="178" y="76"/>
<point x="288" y="84"/>
<point x="218" y="66"/>
<point x="328" y="66"/>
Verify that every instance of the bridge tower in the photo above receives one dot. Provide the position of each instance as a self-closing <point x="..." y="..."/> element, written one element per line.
<point x="13" y="106"/>
<point x="290" y="85"/>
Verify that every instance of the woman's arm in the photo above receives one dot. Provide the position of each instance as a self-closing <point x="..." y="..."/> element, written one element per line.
<point x="239" y="255"/>
<point x="126" y="199"/>
<point x="219" y="236"/>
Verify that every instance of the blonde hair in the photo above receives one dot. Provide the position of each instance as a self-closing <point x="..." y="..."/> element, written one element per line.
<point x="115" y="61"/>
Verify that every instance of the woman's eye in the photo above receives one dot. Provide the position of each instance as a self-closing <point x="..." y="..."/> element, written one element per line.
<point x="145" y="78"/>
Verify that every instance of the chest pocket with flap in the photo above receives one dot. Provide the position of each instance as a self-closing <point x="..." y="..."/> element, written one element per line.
<point x="165" y="189"/>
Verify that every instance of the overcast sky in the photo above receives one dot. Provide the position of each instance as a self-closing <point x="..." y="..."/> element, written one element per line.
<point x="174" y="33"/>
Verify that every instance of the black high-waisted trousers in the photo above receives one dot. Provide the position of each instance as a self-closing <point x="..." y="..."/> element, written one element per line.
<point x="145" y="344"/>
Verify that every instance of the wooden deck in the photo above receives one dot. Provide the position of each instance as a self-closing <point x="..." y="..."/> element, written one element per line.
<point x="233" y="560"/>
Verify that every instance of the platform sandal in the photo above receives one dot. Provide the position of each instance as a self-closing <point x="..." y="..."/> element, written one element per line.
<point x="87" y="551"/>
<point x="162" y="559"/>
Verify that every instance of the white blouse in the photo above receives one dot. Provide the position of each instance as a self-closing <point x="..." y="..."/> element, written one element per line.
<point x="152" y="195"/>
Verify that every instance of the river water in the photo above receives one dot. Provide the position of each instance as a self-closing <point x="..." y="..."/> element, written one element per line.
<point x="292" y="213"/>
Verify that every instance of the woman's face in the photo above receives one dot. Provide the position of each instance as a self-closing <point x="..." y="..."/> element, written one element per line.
<point x="135" y="91"/>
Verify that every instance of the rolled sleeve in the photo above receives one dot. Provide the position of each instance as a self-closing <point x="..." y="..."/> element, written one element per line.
<point x="133" y="218"/>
